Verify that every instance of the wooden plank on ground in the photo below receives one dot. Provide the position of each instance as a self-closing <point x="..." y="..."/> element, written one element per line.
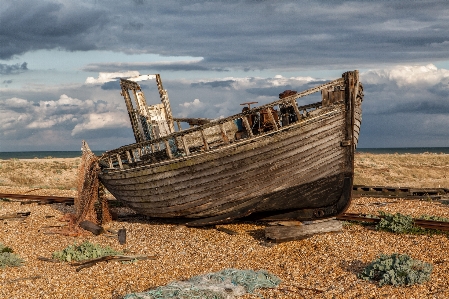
<point x="290" y="233"/>
<point x="92" y="227"/>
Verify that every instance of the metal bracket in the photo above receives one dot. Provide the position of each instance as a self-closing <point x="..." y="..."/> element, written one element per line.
<point x="346" y="143"/>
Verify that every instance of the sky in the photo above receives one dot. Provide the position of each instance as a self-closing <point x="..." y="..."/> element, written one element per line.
<point x="60" y="64"/>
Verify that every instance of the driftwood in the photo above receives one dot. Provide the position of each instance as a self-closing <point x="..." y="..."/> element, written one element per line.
<point x="286" y="223"/>
<point x="122" y="236"/>
<point x="18" y="215"/>
<point x="318" y="290"/>
<point x="92" y="227"/>
<point x="290" y="233"/>
<point x="91" y="262"/>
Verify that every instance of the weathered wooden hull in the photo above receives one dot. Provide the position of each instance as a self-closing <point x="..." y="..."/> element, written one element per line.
<point x="300" y="171"/>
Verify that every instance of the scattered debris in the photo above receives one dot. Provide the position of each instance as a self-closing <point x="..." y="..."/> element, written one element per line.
<point x="122" y="236"/>
<point x="92" y="227"/>
<point x="122" y="258"/>
<point x="18" y="215"/>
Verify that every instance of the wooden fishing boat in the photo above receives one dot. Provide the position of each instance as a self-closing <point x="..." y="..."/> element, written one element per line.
<point x="278" y="161"/>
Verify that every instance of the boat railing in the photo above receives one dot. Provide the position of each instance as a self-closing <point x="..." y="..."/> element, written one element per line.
<point x="211" y="135"/>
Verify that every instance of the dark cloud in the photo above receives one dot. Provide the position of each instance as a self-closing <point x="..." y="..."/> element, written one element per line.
<point x="270" y="91"/>
<point x="30" y="25"/>
<point x="248" y="35"/>
<point x="153" y="66"/>
<point x="214" y="84"/>
<point x="113" y="85"/>
<point x="7" y="81"/>
<point x="6" y="69"/>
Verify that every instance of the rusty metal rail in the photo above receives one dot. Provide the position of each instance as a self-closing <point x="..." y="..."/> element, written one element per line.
<point x="399" y="192"/>
<point x="41" y="199"/>
<point x="47" y="199"/>
<point x="428" y="224"/>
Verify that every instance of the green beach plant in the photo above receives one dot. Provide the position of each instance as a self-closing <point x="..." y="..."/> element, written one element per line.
<point x="84" y="251"/>
<point x="397" y="270"/>
<point x="395" y="223"/>
<point x="8" y="258"/>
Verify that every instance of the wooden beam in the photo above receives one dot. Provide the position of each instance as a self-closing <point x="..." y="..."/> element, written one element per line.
<point x="206" y="146"/>
<point x="184" y="144"/>
<point x="295" y="107"/>
<point x="247" y="126"/>
<point x="271" y="117"/>
<point x="223" y="134"/>
<point x="119" y="159"/>
<point x="168" y="149"/>
<point x="290" y="233"/>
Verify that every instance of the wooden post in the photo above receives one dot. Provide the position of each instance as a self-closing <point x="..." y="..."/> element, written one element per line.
<point x="223" y="134"/>
<point x="247" y="126"/>
<point x="122" y="236"/>
<point x="271" y="117"/>
<point x="129" y="107"/>
<point x="129" y="157"/>
<point x="110" y="162"/>
<point x="139" y="151"/>
<point x="168" y="149"/>
<point x="206" y="146"/>
<point x="295" y="107"/>
<point x="119" y="159"/>
<point x="166" y="102"/>
<point x="184" y="144"/>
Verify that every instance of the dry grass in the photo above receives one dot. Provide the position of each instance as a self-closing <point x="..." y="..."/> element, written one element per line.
<point x="397" y="170"/>
<point x="402" y="170"/>
<point x="52" y="173"/>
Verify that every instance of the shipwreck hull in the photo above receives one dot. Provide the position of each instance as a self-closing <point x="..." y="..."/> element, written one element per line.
<point x="301" y="171"/>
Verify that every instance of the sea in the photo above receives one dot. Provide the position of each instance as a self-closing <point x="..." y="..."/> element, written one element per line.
<point x="43" y="154"/>
<point x="74" y="154"/>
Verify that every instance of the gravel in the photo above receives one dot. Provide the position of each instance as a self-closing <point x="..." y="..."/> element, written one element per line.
<point x="322" y="266"/>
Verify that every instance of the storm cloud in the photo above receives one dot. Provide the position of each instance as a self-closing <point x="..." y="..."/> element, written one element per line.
<point x="213" y="56"/>
<point x="234" y="34"/>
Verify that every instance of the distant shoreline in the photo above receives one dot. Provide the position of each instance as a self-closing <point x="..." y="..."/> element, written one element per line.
<point x="77" y="154"/>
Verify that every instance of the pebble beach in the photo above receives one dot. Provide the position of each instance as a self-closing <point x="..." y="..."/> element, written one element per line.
<point x="322" y="266"/>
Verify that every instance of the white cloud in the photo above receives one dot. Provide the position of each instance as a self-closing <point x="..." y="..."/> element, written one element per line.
<point x="16" y="103"/>
<point x="49" y="122"/>
<point x="95" y="121"/>
<point x="405" y="75"/>
<point x="72" y="113"/>
<point x="108" y="77"/>
<point x="195" y="103"/>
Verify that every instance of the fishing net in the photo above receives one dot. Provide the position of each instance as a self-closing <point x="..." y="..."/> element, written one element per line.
<point x="90" y="191"/>
<point x="90" y="203"/>
<point x="225" y="284"/>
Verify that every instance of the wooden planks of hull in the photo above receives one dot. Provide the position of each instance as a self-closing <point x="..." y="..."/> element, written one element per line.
<point x="289" y="163"/>
<point x="300" y="170"/>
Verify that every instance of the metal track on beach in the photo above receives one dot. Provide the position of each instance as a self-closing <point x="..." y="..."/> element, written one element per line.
<point x="428" y="224"/>
<point x="41" y="199"/>
<point x="399" y="192"/>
